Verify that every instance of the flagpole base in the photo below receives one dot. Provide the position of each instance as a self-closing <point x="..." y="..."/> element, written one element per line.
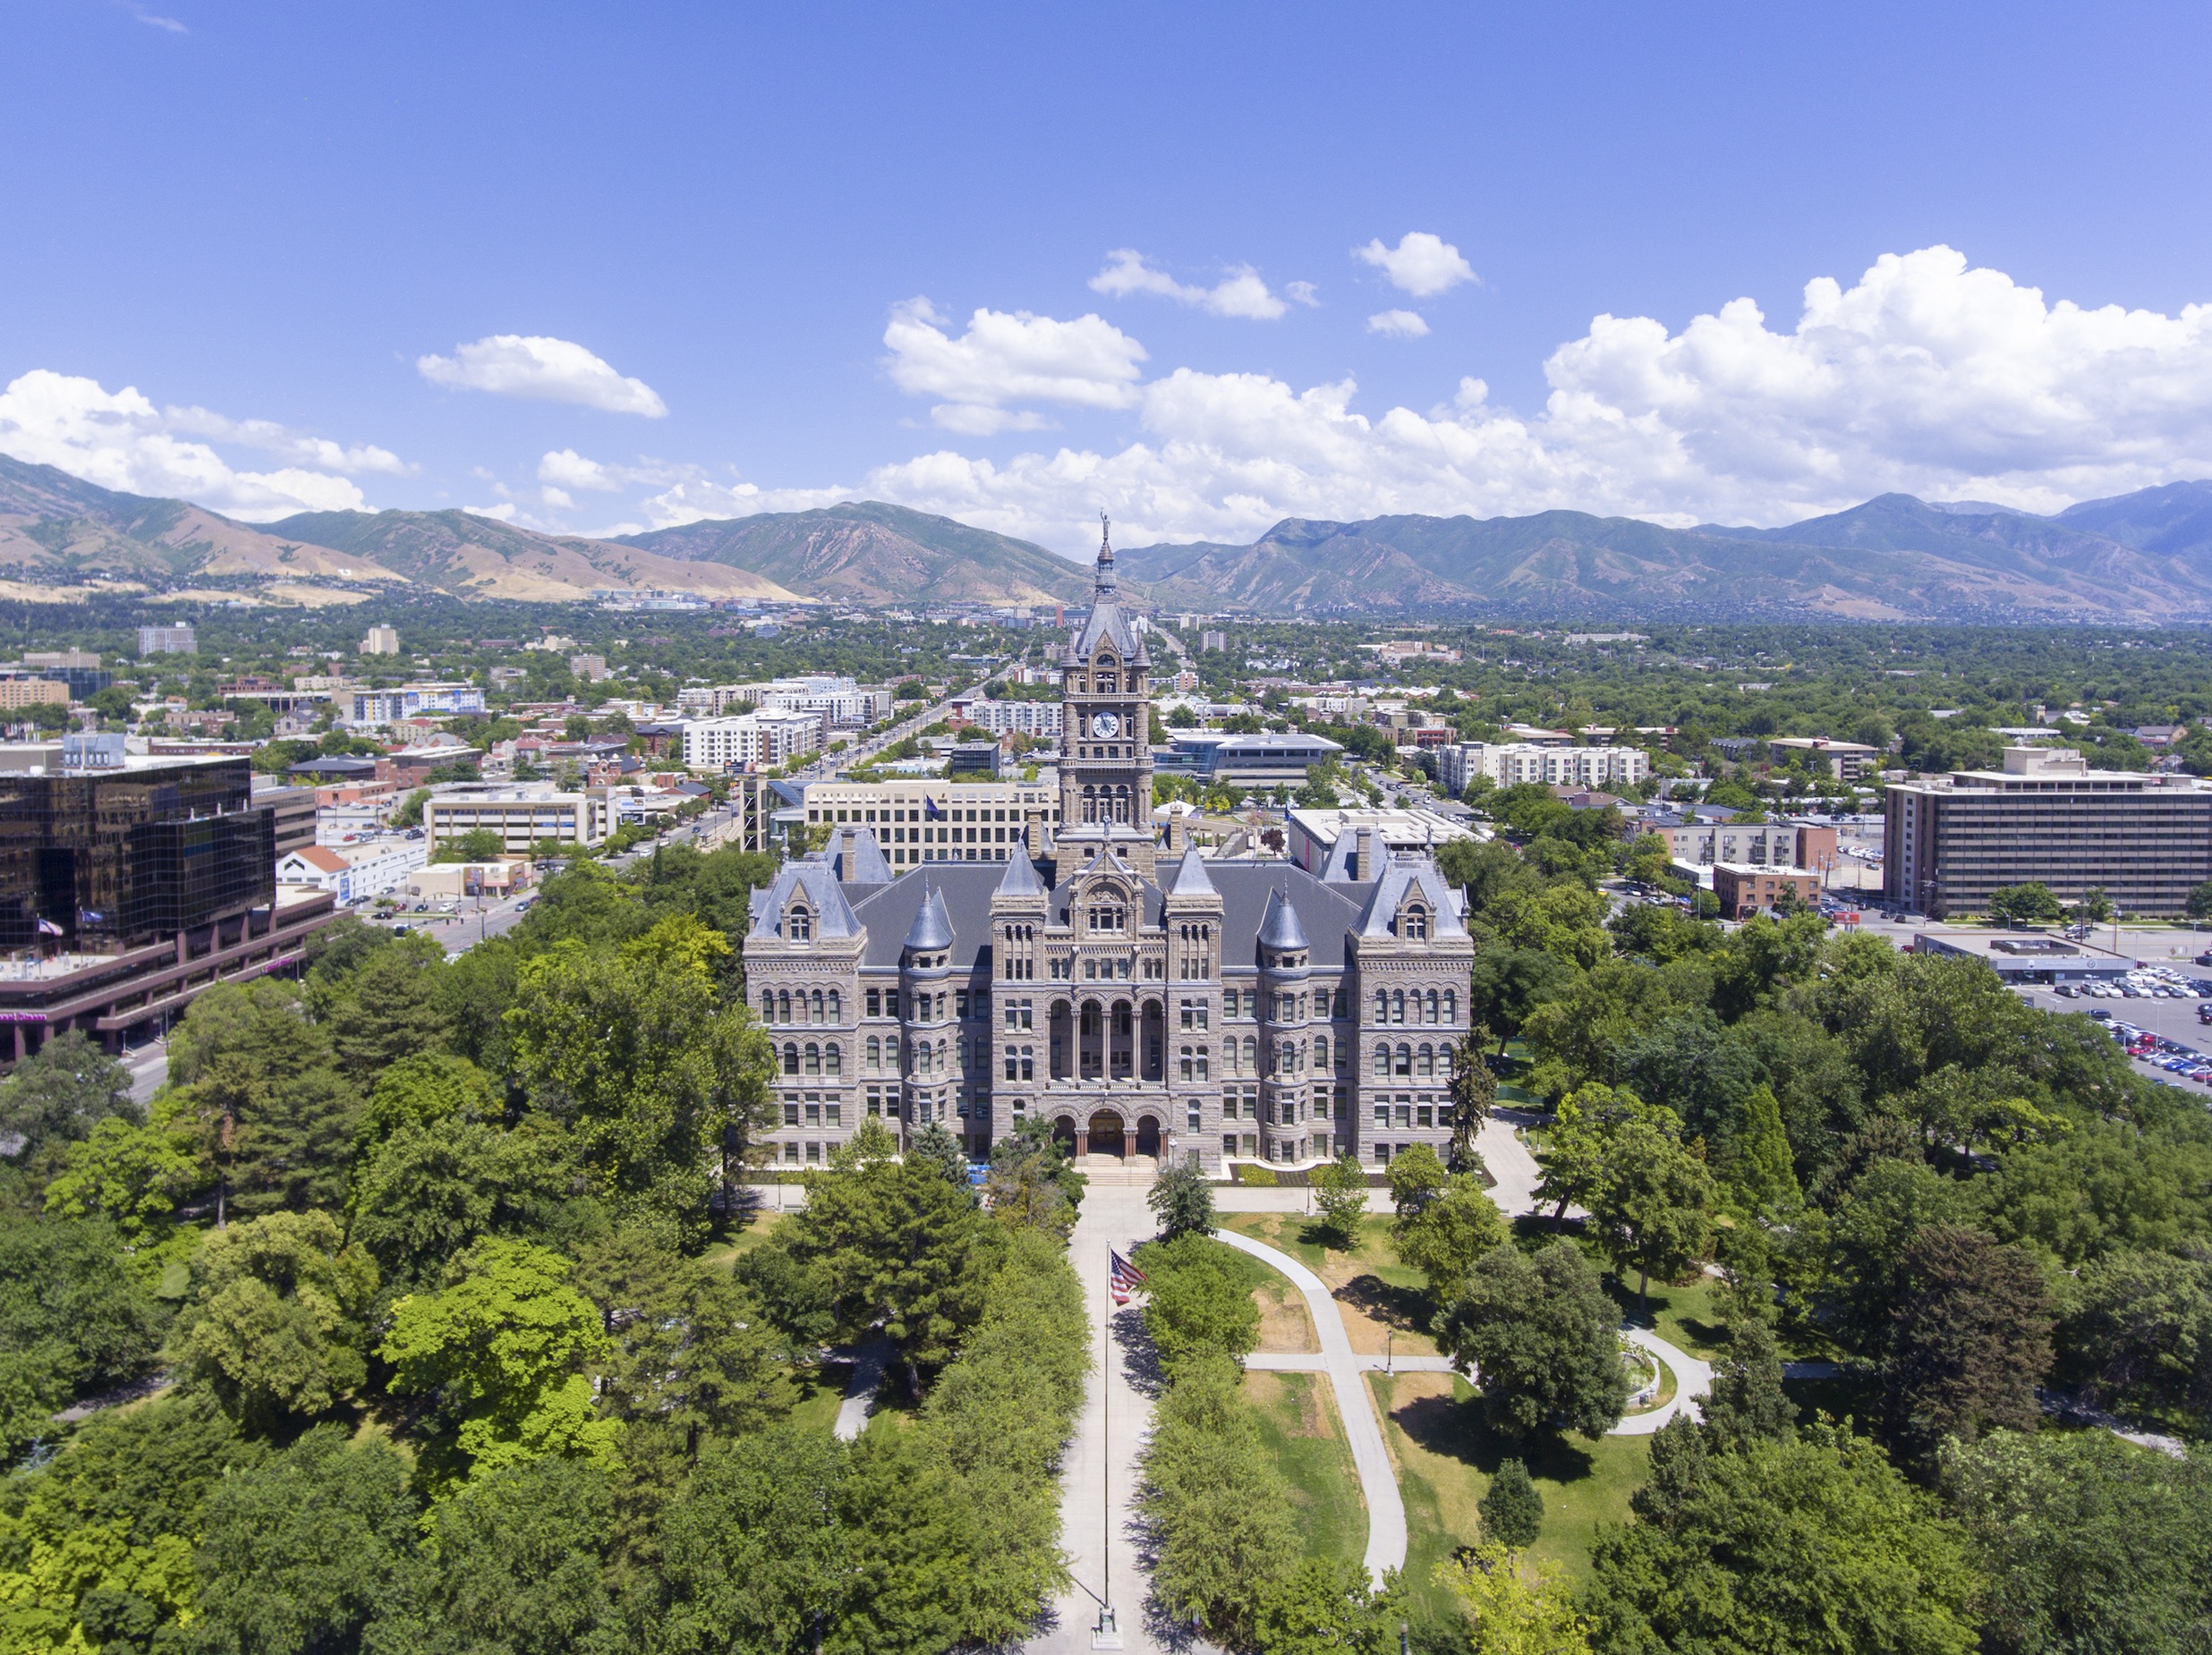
<point x="1106" y="1633"/>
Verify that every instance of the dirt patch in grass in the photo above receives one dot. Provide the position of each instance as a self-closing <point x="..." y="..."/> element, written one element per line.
<point x="1381" y="1301"/>
<point x="1285" y="1324"/>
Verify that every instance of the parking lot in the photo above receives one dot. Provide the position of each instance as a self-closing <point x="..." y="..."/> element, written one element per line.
<point x="2169" y="1020"/>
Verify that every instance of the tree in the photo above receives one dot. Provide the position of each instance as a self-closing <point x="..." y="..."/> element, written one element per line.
<point x="1416" y="1178"/>
<point x="259" y="1085"/>
<point x="1512" y="1511"/>
<point x="2023" y="904"/>
<point x="275" y="1322"/>
<point x="518" y="1569"/>
<point x="1217" y="1505"/>
<point x="685" y="1353"/>
<point x="1650" y="860"/>
<point x="897" y="1245"/>
<point x="422" y="1089"/>
<point x="478" y="845"/>
<point x="131" y="1176"/>
<point x="1652" y="1205"/>
<point x="1540" y="1334"/>
<point x="1508" y="983"/>
<point x="1324" y="1605"/>
<point x="1758" y="1166"/>
<point x="2138" y="1335"/>
<point x="1443" y="1237"/>
<point x="2087" y="1542"/>
<point x="505" y="1348"/>
<point x="391" y="1006"/>
<point x="1746" y="1404"/>
<point x="58" y="1094"/>
<point x="1969" y="1340"/>
<point x="432" y="1191"/>
<point x="2095" y="908"/>
<point x="1340" y="1191"/>
<point x="651" y="1071"/>
<point x="935" y="1148"/>
<point x="1514" y="1608"/>
<point x="754" y="1554"/>
<point x="1815" y="1544"/>
<point x="1574" y="1153"/>
<point x="1474" y="1095"/>
<point x="73" y="1316"/>
<point x="1182" y="1201"/>
<point x="1198" y="1308"/>
<point x="308" y="1550"/>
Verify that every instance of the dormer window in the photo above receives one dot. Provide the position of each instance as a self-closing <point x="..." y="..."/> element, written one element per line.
<point x="798" y="925"/>
<point x="1413" y="923"/>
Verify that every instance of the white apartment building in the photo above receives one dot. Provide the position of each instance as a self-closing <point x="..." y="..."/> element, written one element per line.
<point x="380" y="641"/>
<point x="1510" y="763"/>
<point x="841" y="703"/>
<point x="766" y="739"/>
<point x="520" y="813"/>
<point x="1038" y="718"/>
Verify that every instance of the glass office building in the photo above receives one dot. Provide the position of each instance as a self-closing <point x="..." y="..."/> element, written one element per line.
<point x="124" y="853"/>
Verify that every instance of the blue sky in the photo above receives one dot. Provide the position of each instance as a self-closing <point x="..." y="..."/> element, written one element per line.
<point x="251" y="244"/>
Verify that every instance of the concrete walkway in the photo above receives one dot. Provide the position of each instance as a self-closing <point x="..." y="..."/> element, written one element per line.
<point x="859" y="1391"/>
<point x="1386" y="1512"/>
<point x="1098" y="1478"/>
<point x="1693" y="1382"/>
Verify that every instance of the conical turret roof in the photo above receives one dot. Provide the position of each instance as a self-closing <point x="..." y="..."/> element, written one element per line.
<point x="1280" y="929"/>
<point x="1021" y="878"/>
<point x="933" y="927"/>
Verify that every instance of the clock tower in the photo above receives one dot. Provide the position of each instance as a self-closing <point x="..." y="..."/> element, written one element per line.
<point x="1106" y="766"/>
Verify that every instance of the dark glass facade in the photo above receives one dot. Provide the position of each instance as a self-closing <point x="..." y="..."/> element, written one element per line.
<point x="102" y="859"/>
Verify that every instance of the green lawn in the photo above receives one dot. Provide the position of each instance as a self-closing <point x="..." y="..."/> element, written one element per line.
<point x="1446" y="1456"/>
<point x="1299" y="1427"/>
<point x="1686" y="1317"/>
<point x="738" y="1242"/>
<point x="1380" y="1298"/>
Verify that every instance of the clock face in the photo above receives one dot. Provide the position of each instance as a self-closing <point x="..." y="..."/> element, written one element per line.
<point x="1104" y="725"/>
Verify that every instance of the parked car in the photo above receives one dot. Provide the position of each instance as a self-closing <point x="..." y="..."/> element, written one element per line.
<point x="2066" y="991"/>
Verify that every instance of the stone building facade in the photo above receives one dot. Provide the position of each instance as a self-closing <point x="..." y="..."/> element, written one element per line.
<point x="1147" y="1001"/>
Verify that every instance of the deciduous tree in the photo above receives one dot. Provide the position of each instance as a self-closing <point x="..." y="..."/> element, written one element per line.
<point x="1541" y="1335"/>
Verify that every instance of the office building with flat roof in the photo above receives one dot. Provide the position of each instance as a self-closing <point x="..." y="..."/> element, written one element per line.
<point x="1949" y="842"/>
<point x="933" y="820"/>
<point x="522" y="813"/>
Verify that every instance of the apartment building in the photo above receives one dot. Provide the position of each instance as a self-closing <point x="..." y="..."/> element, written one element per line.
<point x="1709" y="841"/>
<point x="1743" y="890"/>
<point x="1847" y="762"/>
<point x="408" y="701"/>
<point x="1512" y="763"/>
<point x="380" y="641"/>
<point x="520" y="813"/>
<point x="1949" y="842"/>
<point x="764" y="739"/>
<point x="840" y="703"/>
<point x="1042" y="719"/>
<point x="167" y="641"/>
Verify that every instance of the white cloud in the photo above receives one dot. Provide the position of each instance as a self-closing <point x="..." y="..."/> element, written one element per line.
<point x="1925" y="376"/>
<point x="1397" y="324"/>
<point x="567" y="469"/>
<point x="120" y="440"/>
<point x="545" y="369"/>
<point x="556" y="499"/>
<point x="1006" y="357"/>
<point x="1240" y="292"/>
<point x="1421" y="264"/>
<point x="1303" y="292"/>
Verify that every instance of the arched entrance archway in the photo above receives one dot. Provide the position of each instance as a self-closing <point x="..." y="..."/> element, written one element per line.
<point x="1064" y="1133"/>
<point x="1107" y="1134"/>
<point x="1148" y="1136"/>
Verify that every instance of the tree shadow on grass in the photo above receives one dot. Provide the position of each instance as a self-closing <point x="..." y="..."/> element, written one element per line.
<point x="1622" y="1291"/>
<point x="1406" y="1309"/>
<point x="1455" y="1429"/>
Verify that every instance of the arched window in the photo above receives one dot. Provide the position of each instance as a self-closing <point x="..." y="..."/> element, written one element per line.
<point x="1404" y="1061"/>
<point x="1382" y="1006"/>
<point x="833" y="1058"/>
<point x="768" y="1005"/>
<point x="1202" y="1063"/>
<point x="1451" y="1006"/>
<point x="1321" y="1051"/>
<point x="837" y="1007"/>
<point x="1413" y="924"/>
<point x="875" y="1054"/>
<point x="783" y="1006"/>
<point x="817" y="1016"/>
<point x="1425" y="1063"/>
<point x="1398" y="1006"/>
<point x="1429" y="1008"/>
<point x="1251" y="1055"/>
<point x="814" y="1058"/>
<point x="799" y="926"/>
<point x="1382" y="1060"/>
<point x="944" y="1058"/>
<point x="791" y="1057"/>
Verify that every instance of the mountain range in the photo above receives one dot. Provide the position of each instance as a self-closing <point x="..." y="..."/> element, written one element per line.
<point x="2144" y="556"/>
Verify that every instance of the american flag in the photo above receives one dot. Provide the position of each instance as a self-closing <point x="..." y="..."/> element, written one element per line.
<point x="1122" y="1278"/>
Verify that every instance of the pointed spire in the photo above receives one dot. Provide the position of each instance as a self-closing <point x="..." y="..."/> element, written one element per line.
<point x="1280" y="929"/>
<point x="1020" y="878"/>
<point x="1191" y="878"/>
<point x="932" y="926"/>
<point x="1104" y="588"/>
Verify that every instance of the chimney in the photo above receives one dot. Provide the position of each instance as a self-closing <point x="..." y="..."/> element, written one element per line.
<point x="1367" y="859"/>
<point x="1175" y="832"/>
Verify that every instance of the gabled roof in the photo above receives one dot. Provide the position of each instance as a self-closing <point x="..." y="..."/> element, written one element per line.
<point x="859" y="859"/>
<point x="1400" y="879"/>
<point x="321" y="856"/>
<point x="818" y="881"/>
